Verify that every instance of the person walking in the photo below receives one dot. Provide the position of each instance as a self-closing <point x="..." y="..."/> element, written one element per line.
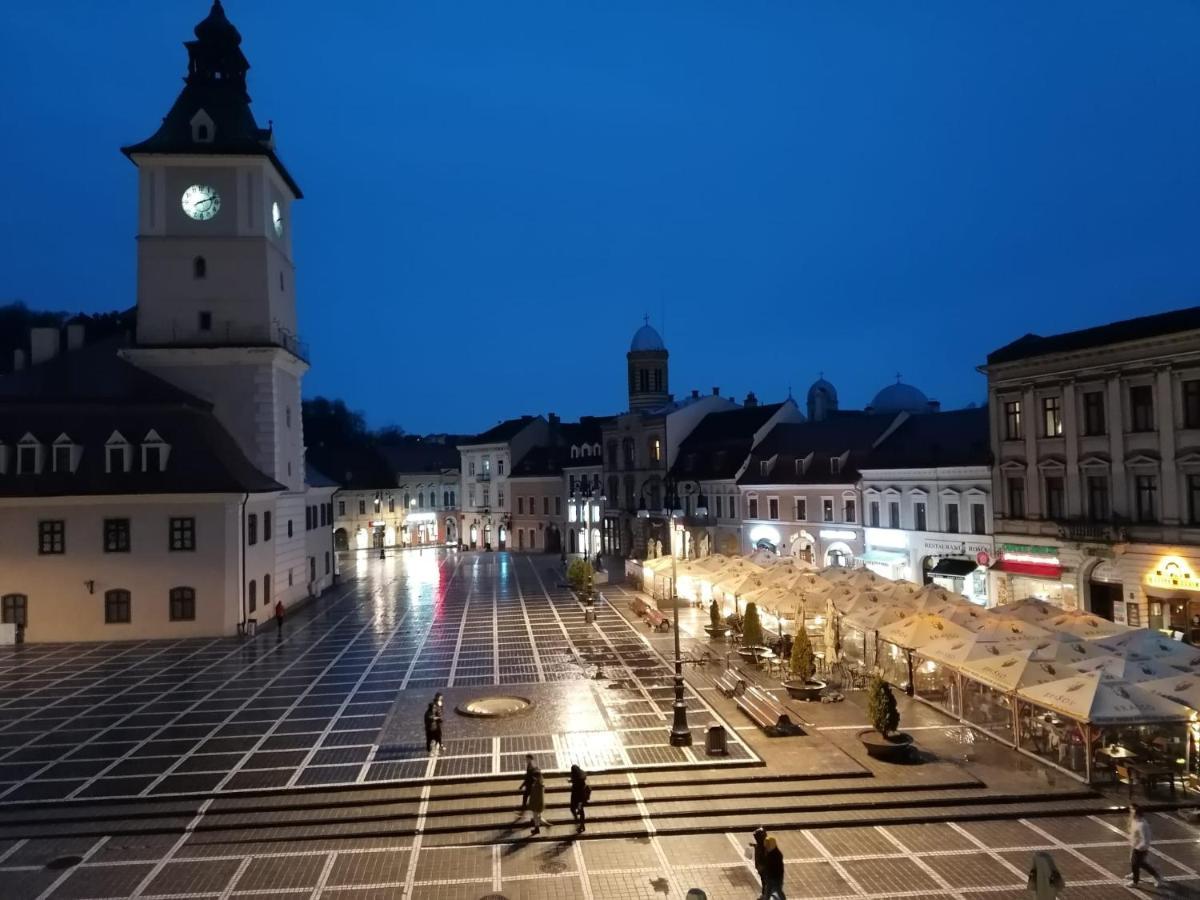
<point x="774" y="871"/>
<point x="759" y="846"/>
<point x="1044" y="878"/>
<point x="1139" y="844"/>
<point x="433" y="727"/>
<point x="537" y="801"/>
<point x="279" y="617"/>
<point x="532" y="772"/>
<point x="581" y="795"/>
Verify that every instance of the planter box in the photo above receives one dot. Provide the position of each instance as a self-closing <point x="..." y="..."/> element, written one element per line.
<point x="716" y="634"/>
<point x="808" y="691"/>
<point x="896" y="747"/>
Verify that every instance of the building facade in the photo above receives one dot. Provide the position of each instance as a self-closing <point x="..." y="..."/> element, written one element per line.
<point x="1096" y="441"/>
<point x="486" y="464"/>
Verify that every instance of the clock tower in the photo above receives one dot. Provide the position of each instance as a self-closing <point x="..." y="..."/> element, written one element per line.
<point x="216" y="303"/>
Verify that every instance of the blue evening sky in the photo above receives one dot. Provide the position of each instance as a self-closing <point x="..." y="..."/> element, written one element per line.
<point x="496" y="192"/>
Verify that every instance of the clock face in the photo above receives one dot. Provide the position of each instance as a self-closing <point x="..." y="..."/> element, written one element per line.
<point x="277" y="218"/>
<point x="201" y="202"/>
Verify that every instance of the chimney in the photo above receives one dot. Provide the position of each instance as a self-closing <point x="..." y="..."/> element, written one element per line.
<point x="716" y="392"/>
<point x="43" y="344"/>
<point x="18" y="359"/>
<point x="751" y="400"/>
<point x="695" y="394"/>
<point x="75" y="335"/>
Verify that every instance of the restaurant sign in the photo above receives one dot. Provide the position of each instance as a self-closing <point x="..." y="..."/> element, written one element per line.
<point x="1030" y="549"/>
<point x="1174" y="574"/>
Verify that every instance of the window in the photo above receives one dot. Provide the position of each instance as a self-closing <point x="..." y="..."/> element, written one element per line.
<point x="733" y="507"/>
<point x="183" y="604"/>
<point x="326" y="562"/>
<point x="117" y="607"/>
<point x="116" y="535"/>
<point x="801" y="509"/>
<point x="1016" y="498"/>
<point x="391" y="504"/>
<point x="772" y="507"/>
<point x="835" y="465"/>
<point x="471" y="467"/>
<point x="252" y="529"/>
<point x="252" y="595"/>
<point x="1051" y="416"/>
<point x="849" y="510"/>
<point x="341" y="507"/>
<point x="308" y="518"/>
<point x="362" y="507"/>
<point x="62" y="458"/>
<point x="558" y="506"/>
<point x="1146" y="506"/>
<point x="500" y="467"/>
<point x="267" y="581"/>
<point x="183" y="534"/>
<point x="1141" y="407"/>
<point x="1097" y="498"/>
<point x="919" y="521"/>
<point x="199" y="267"/>
<point x="520" y="506"/>
<point x="487" y="465"/>
<point x="752" y="507"/>
<point x="717" y="506"/>
<point x="826" y="509"/>
<point x="978" y="518"/>
<point x="52" y="536"/>
<point x="1191" y="404"/>
<point x="1012" y="420"/>
<point x="324" y="521"/>
<point x="873" y="513"/>
<point x="1193" y="491"/>
<point x="1093" y="412"/>
<point x="627" y="452"/>
<point x="1055" y="498"/>
<point x="27" y="459"/>
<point x="14" y="609"/>
<point x="152" y="459"/>
<point x="893" y="514"/>
<point x="289" y="527"/>
<point x="952" y="517"/>
<point x="655" y="449"/>
<point x="115" y="457"/>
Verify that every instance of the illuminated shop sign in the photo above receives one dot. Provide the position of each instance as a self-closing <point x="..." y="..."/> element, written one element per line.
<point x="1173" y="573"/>
<point x="421" y="517"/>
<point x="839" y="535"/>
<point x="764" y="532"/>
<point x="887" y="538"/>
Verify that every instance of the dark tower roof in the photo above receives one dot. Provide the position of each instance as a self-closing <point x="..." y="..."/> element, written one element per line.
<point x="216" y="84"/>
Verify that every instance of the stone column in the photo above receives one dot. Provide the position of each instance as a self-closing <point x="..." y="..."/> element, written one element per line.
<point x="1170" y="499"/>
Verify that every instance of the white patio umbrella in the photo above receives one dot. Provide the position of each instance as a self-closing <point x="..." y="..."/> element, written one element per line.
<point x="1090" y="698"/>
<point x="1147" y="642"/>
<point x="919" y="629"/>
<point x="1127" y="668"/>
<point x="1087" y="626"/>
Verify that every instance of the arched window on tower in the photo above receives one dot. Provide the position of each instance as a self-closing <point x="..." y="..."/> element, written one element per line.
<point x="658" y="380"/>
<point x="643" y="380"/>
<point x="199" y="267"/>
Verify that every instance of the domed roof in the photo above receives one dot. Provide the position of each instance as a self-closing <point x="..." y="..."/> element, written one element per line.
<point x="821" y="386"/>
<point x="646" y="338"/>
<point x="900" y="397"/>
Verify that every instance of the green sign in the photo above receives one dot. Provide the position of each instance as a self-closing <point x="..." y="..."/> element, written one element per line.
<point x="1028" y="548"/>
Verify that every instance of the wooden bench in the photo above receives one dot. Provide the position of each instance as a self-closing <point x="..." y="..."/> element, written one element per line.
<point x="730" y="683"/>
<point x="639" y="606"/>
<point x="767" y="713"/>
<point x="656" y="620"/>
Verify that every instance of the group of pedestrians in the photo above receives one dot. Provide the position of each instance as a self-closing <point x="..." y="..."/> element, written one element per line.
<point x="768" y="863"/>
<point x="533" y="796"/>
<point x="1046" y="881"/>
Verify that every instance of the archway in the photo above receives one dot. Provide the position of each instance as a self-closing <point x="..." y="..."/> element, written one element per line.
<point x="341" y="540"/>
<point x="838" y="554"/>
<point x="451" y="531"/>
<point x="474" y="536"/>
<point x="595" y="543"/>
<point x="553" y="540"/>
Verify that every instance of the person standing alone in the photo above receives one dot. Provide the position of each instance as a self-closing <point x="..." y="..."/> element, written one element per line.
<point x="537" y="801"/>
<point x="532" y="773"/>
<point x="581" y="794"/>
<point x="433" y="726"/>
<point x="279" y="617"/>
<point x="773" y="882"/>
<point x="1139" y="844"/>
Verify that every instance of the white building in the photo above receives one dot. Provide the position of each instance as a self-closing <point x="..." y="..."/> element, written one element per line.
<point x="157" y="489"/>
<point x="486" y="464"/>
<point x="1096" y="441"/>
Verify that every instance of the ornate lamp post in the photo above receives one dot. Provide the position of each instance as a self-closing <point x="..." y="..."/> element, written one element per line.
<point x="681" y="735"/>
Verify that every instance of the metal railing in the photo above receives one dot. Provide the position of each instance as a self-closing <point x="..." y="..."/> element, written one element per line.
<point x="226" y="333"/>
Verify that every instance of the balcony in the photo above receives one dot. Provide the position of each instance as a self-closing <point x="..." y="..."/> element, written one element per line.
<point x="1083" y="531"/>
<point x="224" y="333"/>
<point x="484" y="476"/>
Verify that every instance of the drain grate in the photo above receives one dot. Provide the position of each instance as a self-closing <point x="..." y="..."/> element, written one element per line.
<point x="63" y="862"/>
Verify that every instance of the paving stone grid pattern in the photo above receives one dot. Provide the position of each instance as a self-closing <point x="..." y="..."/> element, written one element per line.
<point x="939" y="860"/>
<point x="128" y="719"/>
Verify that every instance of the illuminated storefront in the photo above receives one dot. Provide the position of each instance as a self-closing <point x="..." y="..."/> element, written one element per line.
<point x="888" y="553"/>
<point x="1172" y="590"/>
<point x="1031" y="570"/>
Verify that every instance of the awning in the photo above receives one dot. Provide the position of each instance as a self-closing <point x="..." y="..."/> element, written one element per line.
<point x="958" y="568"/>
<point x="887" y="557"/>
<point x="1036" y="570"/>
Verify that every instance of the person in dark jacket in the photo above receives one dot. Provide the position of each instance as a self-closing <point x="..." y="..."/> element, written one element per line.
<point x="433" y="727"/>
<point x="532" y="774"/>
<point x="773" y="882"/>
<point x="581" y="793"/>
<point x="760" y="858"/>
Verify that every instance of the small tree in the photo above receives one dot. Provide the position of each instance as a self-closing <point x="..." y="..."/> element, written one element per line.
<point x="752" y="633"/>
<point x="579" y="577"/>
<point x="803" y="664"/>
<point x="714" y="616"/>
<point x="881" y="707"/>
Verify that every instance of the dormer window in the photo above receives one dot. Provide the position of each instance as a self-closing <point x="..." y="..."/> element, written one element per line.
<point x="764" y="467"/>
<point x="203" y="129"/>
<point x="116" y="454"/>
<point x="154" y="452"/>
<point x="3" y="458"/>
<point x="64" y="455"/>
<point x="835" y="465"/>
<point x="29" y="456"/>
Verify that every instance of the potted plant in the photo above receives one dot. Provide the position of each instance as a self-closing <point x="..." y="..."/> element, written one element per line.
<point x="803" y="685"/>
<point x="579" y="577"/>
<point x="752" y="635"/>
<point x="716" y="628"/>
<point x="884" y="742"/>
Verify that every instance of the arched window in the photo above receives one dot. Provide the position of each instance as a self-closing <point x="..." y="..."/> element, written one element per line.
<point x="445" y="498"/>
<point x="199" y="267"/>
<point x="14" y="609"/>
<point x="252" y="595"/>
<point x="452" y="500"/>
<point x="421" y="500"/>
<point x="183" y="604"/>
<point x="117" y="607"/>
<point x="643" y="380"/>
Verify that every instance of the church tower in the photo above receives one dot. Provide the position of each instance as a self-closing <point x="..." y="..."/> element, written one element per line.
<point x="647" y="358"/>
<point x="216" y="302"/>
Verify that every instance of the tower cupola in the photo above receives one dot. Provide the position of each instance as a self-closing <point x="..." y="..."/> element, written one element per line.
<point x="647" y="363"/>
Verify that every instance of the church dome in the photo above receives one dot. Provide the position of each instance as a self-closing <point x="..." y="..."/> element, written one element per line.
<point x="900" y="397"/>
<point x="646" y="338"/>
<point x="822" y="388"/>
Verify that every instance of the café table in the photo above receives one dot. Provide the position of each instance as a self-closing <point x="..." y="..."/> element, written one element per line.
<point x="1150" y="774"/>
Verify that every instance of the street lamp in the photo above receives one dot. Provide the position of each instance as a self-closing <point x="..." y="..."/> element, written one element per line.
<point x="681" y="735"/>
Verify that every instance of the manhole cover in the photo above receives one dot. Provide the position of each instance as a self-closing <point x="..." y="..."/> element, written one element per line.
<point x="64" y="862"/>
<point x="493" y="707"/>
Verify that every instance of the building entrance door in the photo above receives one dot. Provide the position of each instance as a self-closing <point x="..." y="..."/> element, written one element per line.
<point x="1102" y="595"/>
